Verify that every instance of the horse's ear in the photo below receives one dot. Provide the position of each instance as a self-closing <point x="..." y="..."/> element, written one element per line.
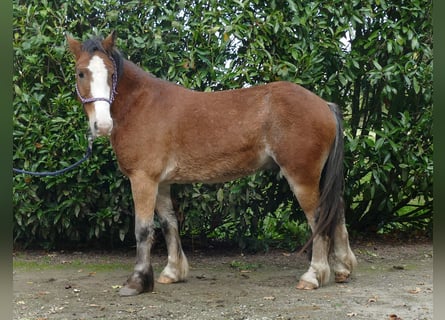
<point x="109" y="41"/>
<point x="74" y="45"/>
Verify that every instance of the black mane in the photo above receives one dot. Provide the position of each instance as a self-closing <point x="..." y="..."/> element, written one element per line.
<point x="92" y="45"/>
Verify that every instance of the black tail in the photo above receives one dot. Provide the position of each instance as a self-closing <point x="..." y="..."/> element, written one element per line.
<point x="331" y="208"/>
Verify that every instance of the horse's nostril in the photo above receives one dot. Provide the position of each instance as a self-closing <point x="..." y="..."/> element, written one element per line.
<point x="102" y="128"/>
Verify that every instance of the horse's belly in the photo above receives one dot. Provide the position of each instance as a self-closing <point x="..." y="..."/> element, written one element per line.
<point x="213" y="169"/>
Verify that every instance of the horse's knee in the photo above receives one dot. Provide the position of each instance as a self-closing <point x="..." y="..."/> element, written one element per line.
<point x="144" y="231"/>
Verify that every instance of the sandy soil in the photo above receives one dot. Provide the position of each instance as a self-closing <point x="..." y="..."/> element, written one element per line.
<point x="391" y="282"/>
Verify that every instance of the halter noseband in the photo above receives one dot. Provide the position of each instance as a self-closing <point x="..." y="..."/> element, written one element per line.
<point x="113" y="89"/>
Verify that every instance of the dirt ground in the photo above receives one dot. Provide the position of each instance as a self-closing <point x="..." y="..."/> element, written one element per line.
<point x="392" y="281"/>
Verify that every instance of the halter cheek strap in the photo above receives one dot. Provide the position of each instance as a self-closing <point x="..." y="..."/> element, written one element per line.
<point x="113" y="89"/>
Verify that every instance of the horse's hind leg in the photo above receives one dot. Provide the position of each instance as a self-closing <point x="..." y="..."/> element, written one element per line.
<point x="177" y="266"/>
<point x="318" y="274"/>
<point x="344" y="258"/>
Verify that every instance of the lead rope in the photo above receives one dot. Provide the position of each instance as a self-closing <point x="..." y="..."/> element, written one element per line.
<point x="61" y="171"/>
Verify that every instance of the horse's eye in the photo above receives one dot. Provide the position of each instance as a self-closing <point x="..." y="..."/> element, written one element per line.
<point x="81" y="75"/>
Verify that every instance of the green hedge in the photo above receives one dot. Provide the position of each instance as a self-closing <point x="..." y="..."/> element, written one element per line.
<point x="382" y="80"/>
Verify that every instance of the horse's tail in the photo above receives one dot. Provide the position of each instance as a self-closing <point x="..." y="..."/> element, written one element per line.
<point x="330" y="210"/>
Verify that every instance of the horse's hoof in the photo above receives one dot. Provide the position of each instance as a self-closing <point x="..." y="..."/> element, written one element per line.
<point x="126" y="291"/>
<point x="138" y="283"/>
<point x="305" y="285"/>
<point x="133" y="288"/>
<point x="342" y="277"/>
<point x="165" y="280"/>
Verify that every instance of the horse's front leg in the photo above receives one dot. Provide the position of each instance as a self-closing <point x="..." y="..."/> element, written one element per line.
<point x="177" y="265"/>
<point x="144" y="192"/>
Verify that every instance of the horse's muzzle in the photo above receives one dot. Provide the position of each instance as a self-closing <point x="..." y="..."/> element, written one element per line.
<point x="102" y="128"/>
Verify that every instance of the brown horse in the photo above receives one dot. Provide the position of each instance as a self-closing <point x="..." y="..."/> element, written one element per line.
<point x="163" y="133"/>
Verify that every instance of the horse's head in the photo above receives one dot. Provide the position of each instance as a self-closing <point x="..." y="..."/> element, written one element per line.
<point x="96" y="80"/>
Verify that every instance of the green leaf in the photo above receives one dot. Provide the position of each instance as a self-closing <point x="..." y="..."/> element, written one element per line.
<point x="220" y="195"/>
<point x="416" y="86"/>
<point x="377" y="65"/>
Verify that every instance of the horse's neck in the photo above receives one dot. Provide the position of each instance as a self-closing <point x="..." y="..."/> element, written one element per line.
<point x="131" y="85"/>
<point x="139" y="93"/>
<point x="133" y="76"/>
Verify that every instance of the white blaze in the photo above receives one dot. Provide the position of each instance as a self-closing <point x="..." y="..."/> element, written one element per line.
<point x="100" y="89"/>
